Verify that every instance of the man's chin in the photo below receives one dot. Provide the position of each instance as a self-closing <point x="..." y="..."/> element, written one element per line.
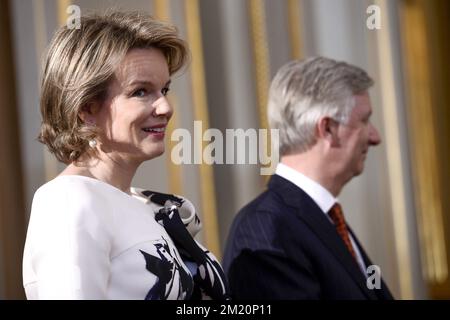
<point x="358" y="173"/>
<point x="359" y="170"/>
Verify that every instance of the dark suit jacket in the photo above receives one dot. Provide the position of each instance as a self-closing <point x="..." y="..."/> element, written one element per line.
<point x="282" y="246"/>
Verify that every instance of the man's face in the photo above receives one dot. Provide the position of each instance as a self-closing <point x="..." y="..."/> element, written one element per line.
<point x="355" y="138"/>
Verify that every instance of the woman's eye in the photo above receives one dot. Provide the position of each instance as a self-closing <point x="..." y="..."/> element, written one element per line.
<point x="139" y="93"/>
<point x="165" y="91"/>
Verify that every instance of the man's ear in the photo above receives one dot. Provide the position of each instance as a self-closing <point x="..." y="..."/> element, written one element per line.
<point x="88" y="112"/>
<point x="327" y="129"/>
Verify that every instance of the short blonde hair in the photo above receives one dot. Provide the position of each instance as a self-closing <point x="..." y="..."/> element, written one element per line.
<point x="79" y="65"/>
<point x="304" y="91"/>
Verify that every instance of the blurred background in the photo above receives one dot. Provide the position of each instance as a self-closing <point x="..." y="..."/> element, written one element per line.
<point x="399" y="207"/>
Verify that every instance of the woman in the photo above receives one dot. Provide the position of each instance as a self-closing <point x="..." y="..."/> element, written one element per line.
<point x="104" y="109"/>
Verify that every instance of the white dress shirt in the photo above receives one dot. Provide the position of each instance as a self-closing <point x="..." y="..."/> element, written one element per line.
<point x="321" y="196"/>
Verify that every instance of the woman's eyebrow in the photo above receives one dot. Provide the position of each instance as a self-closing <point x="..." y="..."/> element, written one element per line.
<point x="144" y="82"/>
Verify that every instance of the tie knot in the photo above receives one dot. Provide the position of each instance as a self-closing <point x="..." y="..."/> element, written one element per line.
<point x="337" y="215"/>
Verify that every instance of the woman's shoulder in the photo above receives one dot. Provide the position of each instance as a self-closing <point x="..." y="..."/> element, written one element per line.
<point x="79" y="190"/>
<point x="73" y="184"/>
<point x="75" y="198"/>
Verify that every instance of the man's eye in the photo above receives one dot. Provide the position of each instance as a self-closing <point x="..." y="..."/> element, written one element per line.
<point x="165" y="91"/>
<point x="139" y="93"/>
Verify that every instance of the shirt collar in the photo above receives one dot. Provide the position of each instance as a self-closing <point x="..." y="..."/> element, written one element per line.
<point x="321" y="196"/>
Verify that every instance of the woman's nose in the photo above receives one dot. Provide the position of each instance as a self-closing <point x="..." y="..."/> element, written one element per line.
<point x="162" y="107"/>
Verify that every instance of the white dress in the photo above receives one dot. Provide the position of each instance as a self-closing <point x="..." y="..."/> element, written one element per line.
<point x="89" y="240"/>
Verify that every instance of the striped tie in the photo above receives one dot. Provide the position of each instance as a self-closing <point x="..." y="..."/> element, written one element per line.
<point x="337" y="216"/>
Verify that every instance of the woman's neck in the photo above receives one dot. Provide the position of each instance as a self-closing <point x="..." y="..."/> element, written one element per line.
<point x="112" y="171"/>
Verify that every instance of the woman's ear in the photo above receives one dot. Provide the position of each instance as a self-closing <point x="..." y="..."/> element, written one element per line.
<point x="88" y="112"/>
<point x="327" y="129"/>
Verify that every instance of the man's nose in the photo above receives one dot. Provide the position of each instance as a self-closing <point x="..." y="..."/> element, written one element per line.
<point x="374" y="136"/>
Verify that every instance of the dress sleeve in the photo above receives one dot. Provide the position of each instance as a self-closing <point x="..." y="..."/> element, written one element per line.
<point x="69" y="244"/>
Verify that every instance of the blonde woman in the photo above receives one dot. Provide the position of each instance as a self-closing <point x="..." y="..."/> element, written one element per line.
<point x="104" y="112"/>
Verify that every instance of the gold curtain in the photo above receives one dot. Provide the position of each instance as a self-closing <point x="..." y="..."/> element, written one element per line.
<point x="201" y="113"/>
<point x="12" y="211"/>
<point x="424" y="28"/>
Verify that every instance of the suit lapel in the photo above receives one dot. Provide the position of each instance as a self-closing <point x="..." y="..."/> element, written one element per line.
<point x="308" y="211"/>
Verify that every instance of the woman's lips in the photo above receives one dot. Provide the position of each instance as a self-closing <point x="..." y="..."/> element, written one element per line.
<point x="157" y="131"/>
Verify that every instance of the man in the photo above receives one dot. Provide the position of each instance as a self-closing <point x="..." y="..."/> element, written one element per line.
<point x="292" y="241"/>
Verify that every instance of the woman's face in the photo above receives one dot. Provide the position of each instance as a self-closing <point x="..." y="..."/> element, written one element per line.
<point x="135" y="113"/>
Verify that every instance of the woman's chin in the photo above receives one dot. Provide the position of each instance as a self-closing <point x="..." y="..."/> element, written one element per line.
<point x="154" y="153"/>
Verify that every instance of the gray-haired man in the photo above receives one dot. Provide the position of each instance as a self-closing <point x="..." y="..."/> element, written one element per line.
<point x="292" y="242"/>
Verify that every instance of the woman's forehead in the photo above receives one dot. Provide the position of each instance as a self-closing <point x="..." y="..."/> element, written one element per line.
<point x="143" y="65"/>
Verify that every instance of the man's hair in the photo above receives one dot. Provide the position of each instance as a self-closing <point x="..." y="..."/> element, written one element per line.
<point x="81" y="62"/>
<point x="304" y="91"/>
